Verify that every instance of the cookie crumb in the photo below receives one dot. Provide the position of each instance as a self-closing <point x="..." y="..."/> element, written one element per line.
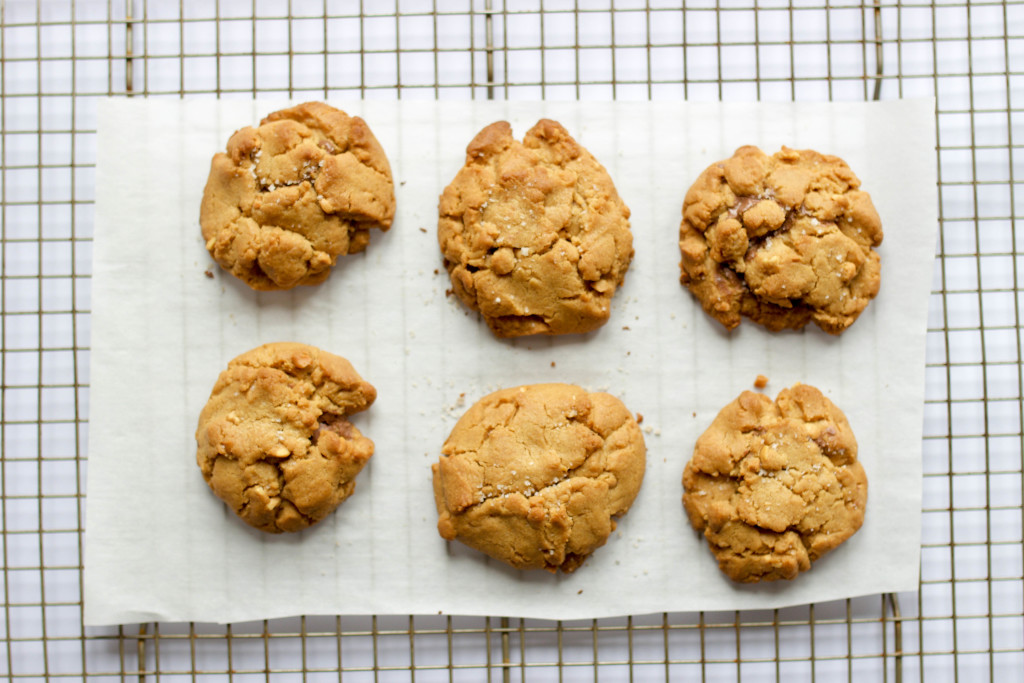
<point x="579" y="592"/>
<point x="639" y="418"/>
<point x="436" y="271"/>
<point x="625" y="327"/>
<point x="208" y="273"/>
<point x="761" y="382"/>
<point x="423" y="230"/>
<point x="552" y="363"/>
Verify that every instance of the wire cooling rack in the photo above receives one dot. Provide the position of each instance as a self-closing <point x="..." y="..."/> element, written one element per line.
<point x="966" y="620"/>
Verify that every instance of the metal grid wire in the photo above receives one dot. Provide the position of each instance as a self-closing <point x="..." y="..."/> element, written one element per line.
<point x="966" y="621"/>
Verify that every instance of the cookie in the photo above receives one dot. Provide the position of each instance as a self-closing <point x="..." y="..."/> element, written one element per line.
<point x="274" y="440"/>
<point x="774" y="485"/>
<point x="534" y="235"/>
<point x="535" y="476"/>
<point x="784" y="240"/>
<point x="292" y="195"/>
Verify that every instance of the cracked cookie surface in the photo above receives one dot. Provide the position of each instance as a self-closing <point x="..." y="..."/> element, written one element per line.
<point x="784" y="240"/>
<point x="774" y="485"/>
<point x="274" y="440"/>
<point x="290" y="196"/>
<point x="536" y="475"/>
<point x="534" y="234"/>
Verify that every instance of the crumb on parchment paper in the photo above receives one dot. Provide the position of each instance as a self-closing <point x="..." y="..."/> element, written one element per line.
<point x="761" y="382"/>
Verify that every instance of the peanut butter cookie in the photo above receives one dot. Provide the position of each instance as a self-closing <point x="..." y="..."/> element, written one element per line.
<point x="784" y="240"/>
<point x="292" y="195"/>
<point x="536" y="475"/>
<point x="533" y="234"/>
<point x="274" y="440"/>
<point x="775" y="485"/>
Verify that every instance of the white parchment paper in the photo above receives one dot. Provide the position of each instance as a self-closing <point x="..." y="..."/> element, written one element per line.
<point x="160" y="546"/>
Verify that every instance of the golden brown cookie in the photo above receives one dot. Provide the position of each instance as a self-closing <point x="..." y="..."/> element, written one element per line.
<point x="784" y="240"/>
<point x="775" y="485"/>
<point x="536" y="475"/>
<point x="292" y="195"/>
<point x="533" y="234"/>
<point x="274" y="440"/>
